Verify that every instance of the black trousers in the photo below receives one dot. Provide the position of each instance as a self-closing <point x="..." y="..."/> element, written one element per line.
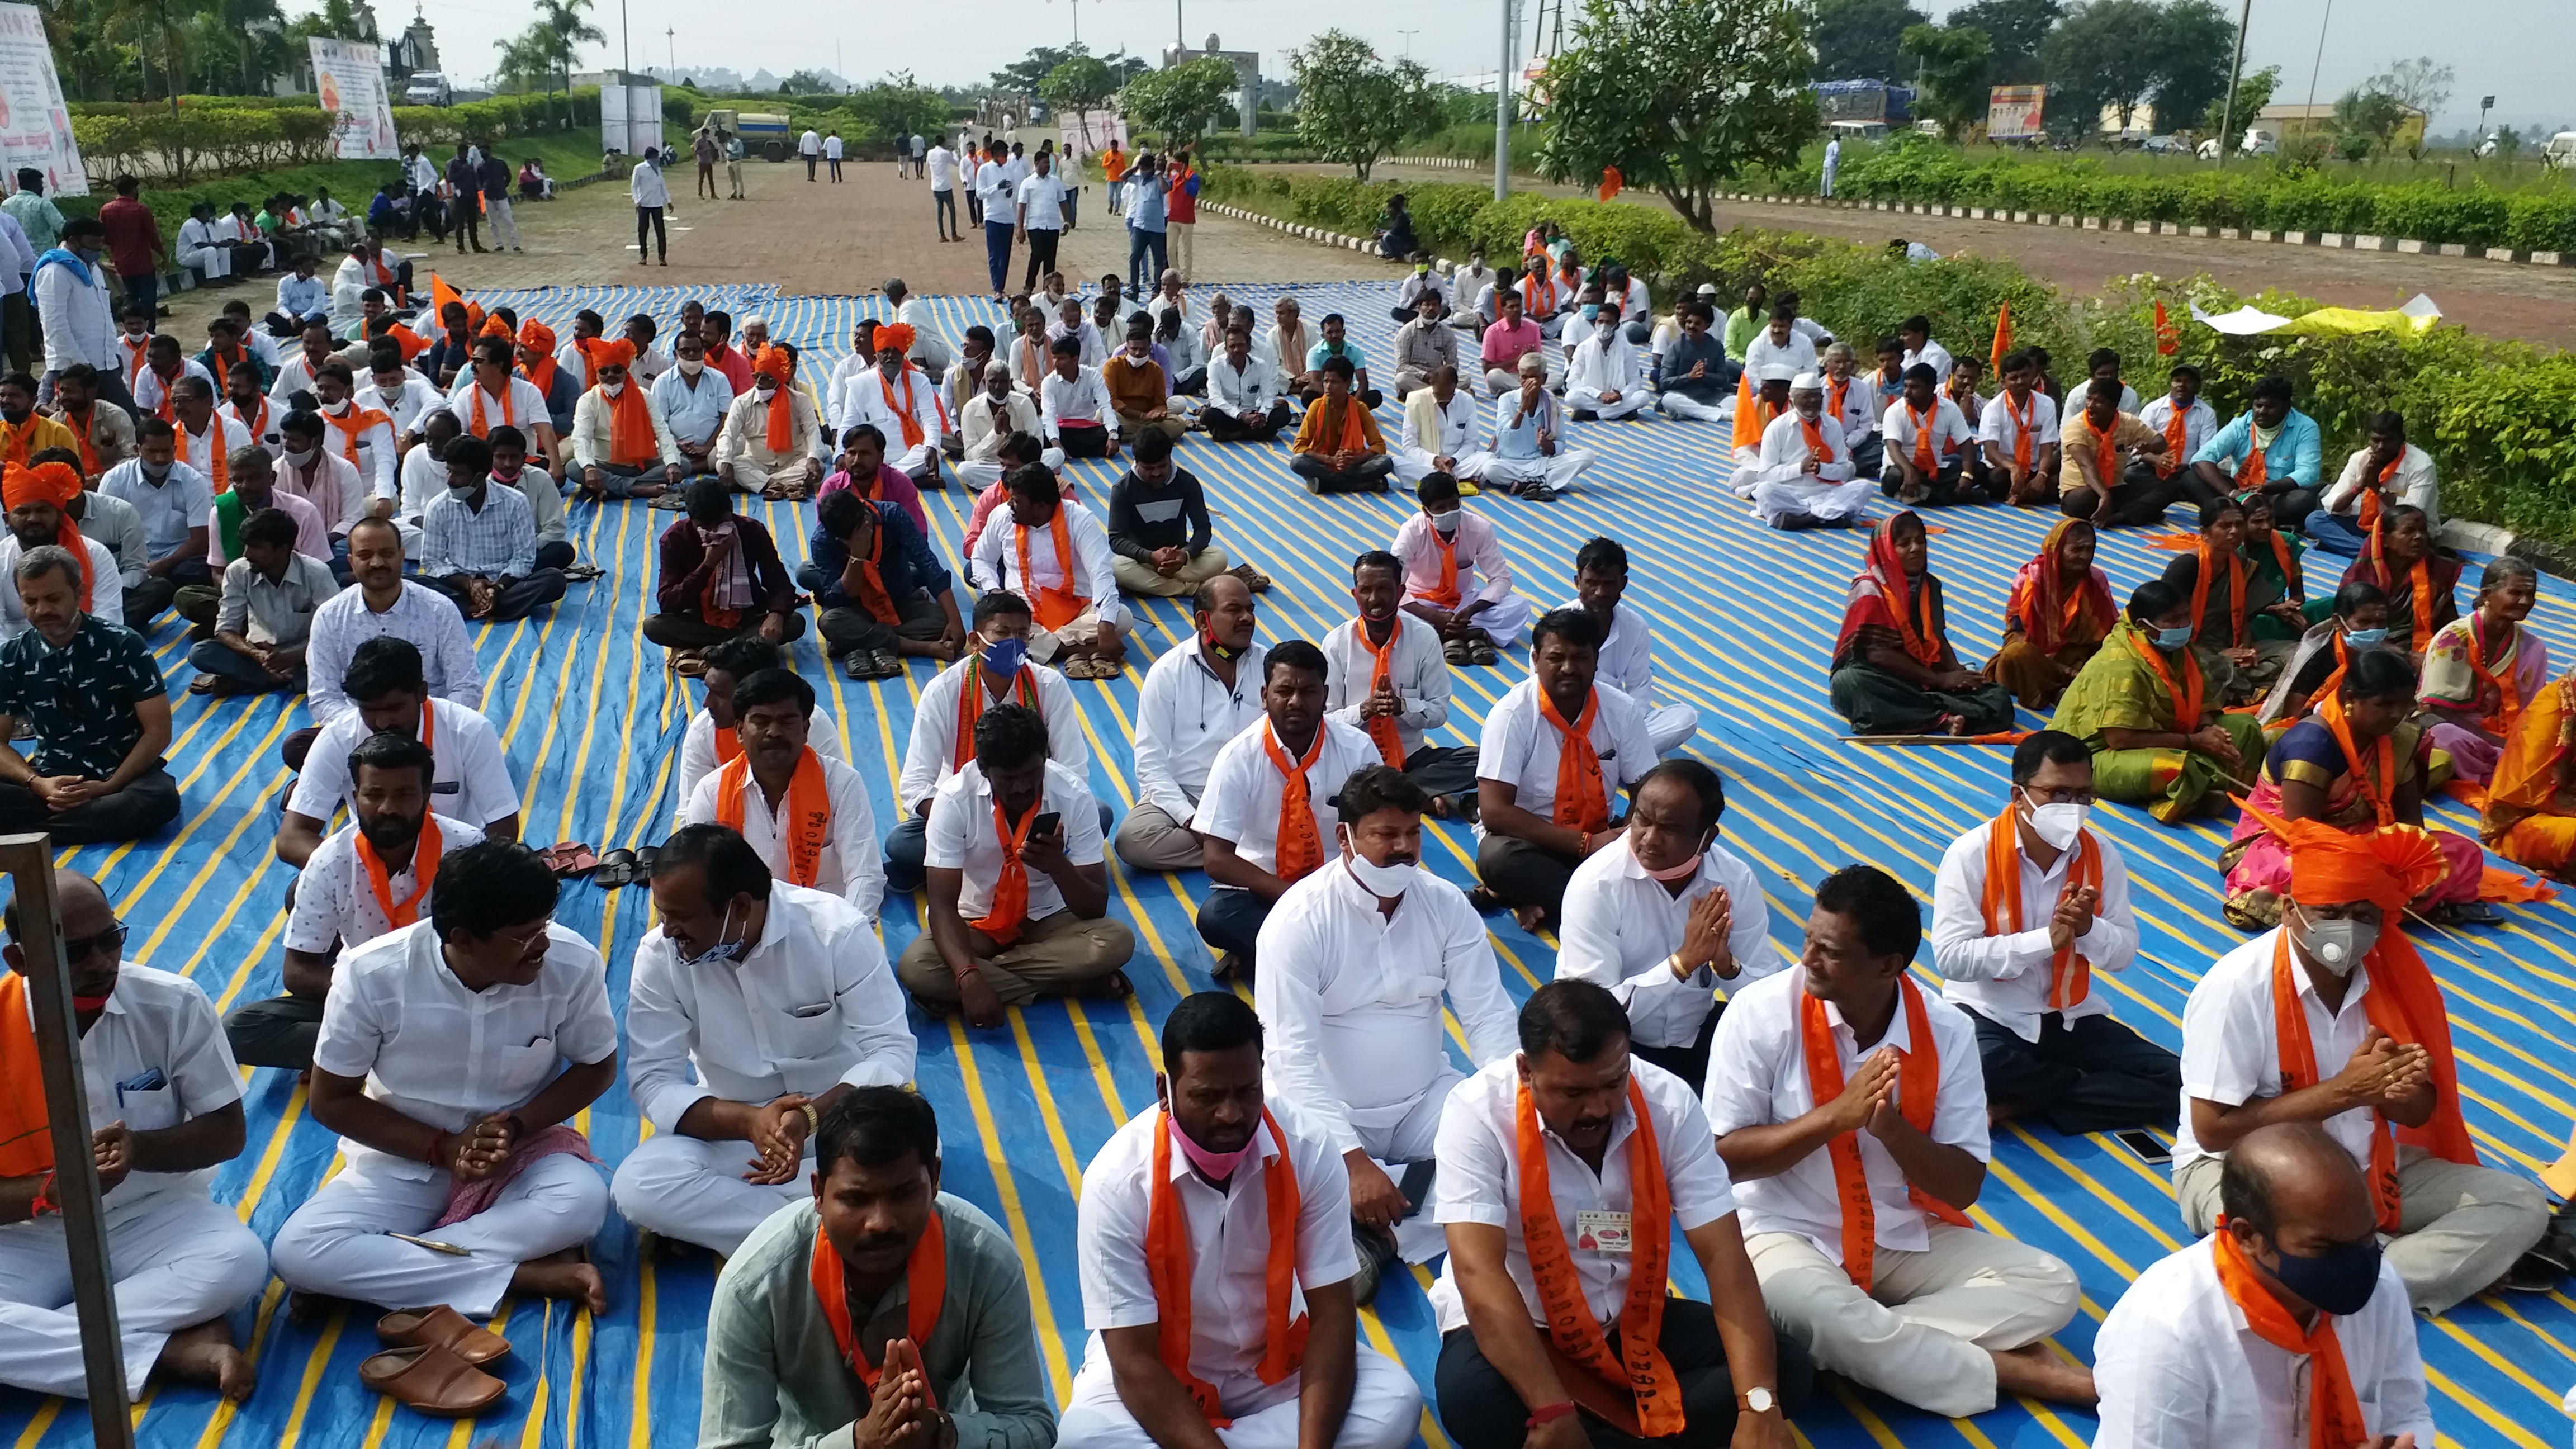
<point x="1480" y="1409"/>
<point x="846" y="629"/>
<point x="1524" y="874"/>
<point x="1230" y="920"/>
<point x="146" y="600"/>
<point x="1946" y="487"/>
<point x="1369" y="477"/>
<point x="1042" y="244"/>
<point x="650" y="218"/>
<point x="2093" y="1075"/>
<point x="275" y="1033"/>
<point x="522" y="598"/>
<point x="1447" y="770"/>
<point x="1084" y="440"/>
<point x="139" y="809"/>
<point x="1225" y="427"/>
<point x="2138" y="499"/>
<point x="2290" y="506"/>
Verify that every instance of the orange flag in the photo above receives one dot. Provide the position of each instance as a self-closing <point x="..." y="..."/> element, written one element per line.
<point x="2003" y="339"/>
<point x="1747" y="433"/>
<point x="440" y="294"/>
<point x="2168" y="336"/>
<point x="1612" y="183"/>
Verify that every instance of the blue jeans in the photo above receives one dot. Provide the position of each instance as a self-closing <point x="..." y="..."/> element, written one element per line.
<point x="207" y="656"/>
<point x="1141" y="282"/>
<point x="944" y="213"/>
<point x="2335" y="533"/>
<point x="997" y="251"/>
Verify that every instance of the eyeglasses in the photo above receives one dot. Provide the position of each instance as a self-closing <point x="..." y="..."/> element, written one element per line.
<point x="2071" y="796"/>
<point x="108" y="942"/>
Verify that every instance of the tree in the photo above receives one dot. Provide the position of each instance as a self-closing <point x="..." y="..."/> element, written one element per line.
<point x="2195" y="43"/>
<point x="546" y="50"/>
<point x="1682" y="96"/>
<point x="807" y="83"/>
<point x="1078" y="87"/>
<point x="2417" y="84"/>
<point x="899" y="105"/>
<point x="2093" y="62"/>
<point x="1857" y="39"/>
<point x="1953" y="61"/>
<point x="1178" y="104"/>
<point x="2016" y="28"/>
<point x="2253" y="93"/>
<point x="1022" y="77"/>
<point x="1353" y="107"/>
<point x="2366" y="120"/>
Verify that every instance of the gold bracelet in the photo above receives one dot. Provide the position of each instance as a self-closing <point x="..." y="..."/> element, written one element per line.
<point x="813" y="1120"/>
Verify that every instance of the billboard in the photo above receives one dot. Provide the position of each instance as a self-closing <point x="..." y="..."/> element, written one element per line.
<point x="35" y="129"/>
<point x="349" y="76"/>
<point x="2012" y="112"/>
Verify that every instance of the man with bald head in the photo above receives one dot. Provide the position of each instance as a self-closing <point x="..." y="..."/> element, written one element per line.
<point x="165" y="1111"/>
<point x="2211" y="1346"/>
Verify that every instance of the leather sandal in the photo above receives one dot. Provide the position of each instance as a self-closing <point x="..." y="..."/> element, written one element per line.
<point x="442" y="1327"/>
<point x="431" y="1381"/>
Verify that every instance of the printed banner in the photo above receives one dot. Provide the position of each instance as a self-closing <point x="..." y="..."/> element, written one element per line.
<point x="2012" y="112"/>
<point x="350" y="77"/>
<point x="35" y="129"/>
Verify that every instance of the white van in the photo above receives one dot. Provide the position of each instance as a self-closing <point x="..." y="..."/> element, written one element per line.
<point x="2560" y="150"/>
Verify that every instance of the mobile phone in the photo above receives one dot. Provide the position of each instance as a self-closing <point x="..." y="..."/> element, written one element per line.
<point x="1046" y="823"/>
<point x="2150" y="1149"/>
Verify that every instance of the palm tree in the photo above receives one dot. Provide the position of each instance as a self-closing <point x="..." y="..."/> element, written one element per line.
<point x="563" y="22"/>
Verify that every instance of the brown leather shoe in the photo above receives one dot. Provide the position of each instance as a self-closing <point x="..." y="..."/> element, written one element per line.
<point x="442" y="1327"/>
<point x="431" y="1381"/>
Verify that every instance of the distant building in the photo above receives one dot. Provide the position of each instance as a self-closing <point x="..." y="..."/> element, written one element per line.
<point x="2289" y="123"/>
<point x="416" y="49"/>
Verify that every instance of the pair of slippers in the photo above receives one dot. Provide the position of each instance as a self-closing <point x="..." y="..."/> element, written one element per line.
<point x="433" y="1363"/>
<point x="623" y="867"/>
<point x="1469" y="651"/>
<point x="1087" y="666"/>
<point x="570" y="859"/>
<point x="866" y="664"/>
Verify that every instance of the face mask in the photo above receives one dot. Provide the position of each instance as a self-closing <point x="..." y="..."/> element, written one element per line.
<point x="1422" y="269"/>
<point x="2365" y="638"/>
<point x="1004" y="656"/>
<point x="89" y="1003"/>
<point x="1214" y="1166"/>
<point x="1604" y="328"/>
<point x="1683" y="871"/>
<point x="17" y="417"/>
<point x="1208" y="642"/>
<point x="2170" y="640"/>
<point x="337" y="409"/>
<point x="1386" y="882"/>
<point x="764" y="394"/>
<point x="303" y="459"/>
<point x="1591" y="310"/>
<point x="2339" y="1280"/>
<point x="722" y="950"/>
<point x="2338" y="946"/>
<point x="691" y="369"/>
<point x="2058" y="825"/>
<point x="1447" y="522"/>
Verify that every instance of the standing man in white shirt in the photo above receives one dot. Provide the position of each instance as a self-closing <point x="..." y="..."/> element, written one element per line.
<point x="1444" y="432"/>
<point x="997" y="188"/>
<point x="832" y="155"/>
<point x="995" y="671"/>
<point x="73" y="309"/>
<point x="804" y="812"/>
<point x="2019" y="437"/>
<point x="1386" y="678"/>
<point x="1559" y="749"/>
<point x="1195" y="698"/>
<point x="1606" y="380"/>
<point x="1849" y="1109"/>
<point x="650" y="191"/>
<point x="1271" y="803"/>
<point x="810" y="146"/>
<point x="1052" y="551"/>
<point x="1666" y="914"/>
<point x="1355" y="960"/>
<point x="1182" y="1240"/>
<point x="2215" y="1348"/>
<point x="1041" y="198"/>
<point x="1805" y="477"/>
<point x="2018" y="957"/>
<point x="1627" y="641"/>
<point x="942" y="165"/>
<point x="754" y="1008"/>
<point x="1563" y="1171"/>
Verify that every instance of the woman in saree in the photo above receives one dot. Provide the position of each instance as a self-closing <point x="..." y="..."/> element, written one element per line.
<point x="2483" y="669"/>
<point x="2419" y="581"/>
<point x="1894" y="670"/>
<point x="2278" y="562"/>
<point x="2357" y="763"/>
<point x="2226" y="596"/>
<point x="2060" y="612"/>
<point x="2359" y="622"/>
<point x="2145" y="708"/>
<point x="2531" y="801"/>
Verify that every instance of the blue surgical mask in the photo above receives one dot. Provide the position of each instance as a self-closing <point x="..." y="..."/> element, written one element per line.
<point x="1004" y="656"/>
<point x="2365" y="638"/>
<point x="1591" y="310"/>
<point x="2340" y="1280"/>
<point x="722" y="950"/>
<point x="2170" y="640"/>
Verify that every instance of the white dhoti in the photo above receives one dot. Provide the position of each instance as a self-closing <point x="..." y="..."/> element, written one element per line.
<point x="1557" y="471"/>
<point x="1778" y="498"/>
<point x="980" y="475"/>
<point x="692" y="1190"/>
<point x="1399" y="1134"/>
<point x="178" y="1259"/>
<point x="1748" y="472"/>
<point x="1634" y="400"/>
<point x="1668" y="725"/>
<point x="335" y="1244"/>
<point x="920" y="462"/>
<point x="1691" y="410"/>
<point x="1502" y="620"/>
<point x="1412" y="465"/>
<point x="1922" y="1333"/>
<point x="1385" y="1412"/>
<point x="755" y="467"/>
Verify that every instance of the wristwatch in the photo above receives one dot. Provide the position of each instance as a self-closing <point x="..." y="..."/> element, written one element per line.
<point x="1756" y="1401"/>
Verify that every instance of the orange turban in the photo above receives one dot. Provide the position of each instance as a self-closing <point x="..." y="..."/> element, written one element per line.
<point x="536" y="334"/>
<point x="2389" y="866"/>
<point x="780" y="366"/>
<point x="897" y="336"/>
<point x="57" y="484"/>
<point x="603" y="353"/>
<point x="778" y="362"/>
<point x="493" y="326"/>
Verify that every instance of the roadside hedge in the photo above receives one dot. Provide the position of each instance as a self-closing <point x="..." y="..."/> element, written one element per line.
<point x="229" y="134"/>
<point x="2499" y="417"/>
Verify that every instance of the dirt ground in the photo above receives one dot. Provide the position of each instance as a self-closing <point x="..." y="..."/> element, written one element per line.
<point x="2501" y="299"/>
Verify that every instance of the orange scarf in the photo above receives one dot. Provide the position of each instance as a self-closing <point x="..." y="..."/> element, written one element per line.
<point x="14" y="442"/>
<point x="424" y="869"/>
<point x="80" y="425"/>
<point x="1167" y="1261"/>
<point x="632" y="442"/>
<point x="2376" y="783"/>
<point x="1835" y="395"/>
<point x="1009" y="911"/>
<point x="543" y="374"/>
<point x="728" y="746"/>
<point x="1383" y="728"/>
<point x="136" y="355"/>
<point x="1538" y="294"/>
<point x="215" y="464"/>
<point x="1639" y="1366"/>
<point x="1816" y="448"/>
<point x="353" y="427"/>
<point x="804" y="826"/>
<point x="477" y="426"/>
<point x="1924" y="428"/>
<point x="2177" y="430"/>
<point x="165" y="412"/>
<point x="1918" y="1084"/>
<point x="872" y="590"/>
<point x="2256" y="469"/>
<point x="2419" y="580"/>
<point x="257" y="426"/>
<point x="1582" y="798"/>
<point x="26" y="1130"/>
<point x="2070" y="976"/>
<point x="912" y="433"/>
<point x="2334" y="681"/>
<point x="1445" y="595"/>
<point x="782" y="421"/>
<point x="2368" y="514"/>
<point x="925" y="1281"/>
<point x="1056" y="607"/>
<point x="970" y="708"/>
<point x="2298" y="1052"/>
<point x="2289" y="563"/>
<point x="2021" y="418"/>
<point x="2508" y="700"/>
<point x="1301" y="843"/>
<point x="2235" y="596"/>
<point x="2186" y="702"/>
<point x="2334" y="1410"/>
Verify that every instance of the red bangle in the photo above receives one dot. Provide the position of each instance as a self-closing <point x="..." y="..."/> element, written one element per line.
<point x="44" y="1203"/>
<point x="436" y="1156"/>
<point x="1546" y="1412"/>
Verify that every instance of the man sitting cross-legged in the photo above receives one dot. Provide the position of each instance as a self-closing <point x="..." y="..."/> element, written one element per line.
<point x="1158" y="527"/>
<point x="2018" y="952"/>
<point x="1338" y="448"/>
<point x="621" y="444"/>
<point x="710" y="741"/>
<point x="1270" y="802"/>
<point x="804" y="812"/>
<point x="1558" y="749"/>
<point x="1439" y="548"/>
<point x="1531" y="458"/>
<point x="1627" y="641"/>
<point x="1564" y="1169"/>
<point x="1444" y="432"/>
<point x="755" y="1008"/>
<point x="1387" y="679"/>
<point x="792" y="1352"/>
<point x="1140" y="392"/>
<point x="182" y="1263"/>
<point x="884" y="594"/>
<point x="994" y="419"/>
<point x="479" y="542"/>
<point x="93" y="696"/>
<point x="265" y="616"/>
<point x="454" y="1054"/>
<point x="1927" y="445"/>
<point x="381" y="603"/>
<point x="1606" y="379"/>
<point x="1355" y="958"/>
<point x="386" y="691"/>
<point x="771" y="443"/>
<point x="1052" y="551"/>
<point x="903" y="403"/>
<point x="1245" y="398"/>
<point x="1851" y="1112"/>
<point x="1804" y="476"/>
<point x="376" y="874"/>
<point x="1195" y="698"/>
<point x="721" y="578"/>
<point x="1216" y="1260"/>
<point x="996" y="670"/>
<point x="1017" y="885"/>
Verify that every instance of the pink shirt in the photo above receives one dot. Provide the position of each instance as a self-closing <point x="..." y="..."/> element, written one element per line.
<point x="1506" y="345"/>
<point x="1482" y="571"/>
<point x="311" y="539"/>
<point x="893" y="486"/>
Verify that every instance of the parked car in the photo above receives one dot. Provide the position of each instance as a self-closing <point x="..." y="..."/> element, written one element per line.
<point x="2559" y="150"/>
<point x="2165" y="146"/>
<point x="428" y="88"/>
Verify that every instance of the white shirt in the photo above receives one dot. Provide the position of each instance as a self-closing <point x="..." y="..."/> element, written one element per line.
<point x="200" y="450"/>
<point x="1229" y="1236"/>
<point x="2199" y="425"/>
<point x="378" y="448"/>
<point x="443" y="1055"/>
<point x="647" y="187"/>
<point x="1241" y="801"/>
<point x="1621" y="925"/>
<point x="810" y="1006"/>
<point x="1859" y="411"/>
<point x="1461" y="425"/>
<point x="1520" y="747"/>
<point x="995" y="184"/>
<point x="960" y="836"/>
<point x="1041" y="201"/>
<point x="1627" y="659"/>
<point x="929" y="756"/>
<point x="1785" y="453"/>
<point x="809" y="144"/>
<point x="1418" y="670"/>
<point x="1950" y="431"/>
<point x="1248" y="391"/>
<point x="1083" y="398"/>
<point x="1350" y="998"/>
<point x="1480" y="1180"/>
<point x="1184" y="715"/>
<point x="1757" y="1077"/>
<point x="875" y="398"/>
<point x="698" y="745"/>
<point x="1762" y="356"/>
<point x="832" y="147"/>
<point x="848" y="865"/>
<point x="996" y="562"/>
<point x="2006" y="978"/>
<point x="156" y="1022"/>
<point x="421" y="615"/>
<point x="2179" y="1369"/>
<point x="405" y="404"/>
<point x="334" y="905"/>
<point x="1937" y="357"/>
<point x="524" y="408"/>
<point x="471" y="780"/>
<point x="1611" y="366"/>
<point x="107" y="590"/>
<point x="2231" y="1053"/>
<point x="983" y="435"/>
<point x="2415" y="482"/>
<point x="942" y="165"/>
<point x="1997" y="426"/>
<point x="79" y="323"/>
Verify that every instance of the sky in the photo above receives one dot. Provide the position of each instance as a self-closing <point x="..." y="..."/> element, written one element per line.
<point x="2512" y="49"/>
